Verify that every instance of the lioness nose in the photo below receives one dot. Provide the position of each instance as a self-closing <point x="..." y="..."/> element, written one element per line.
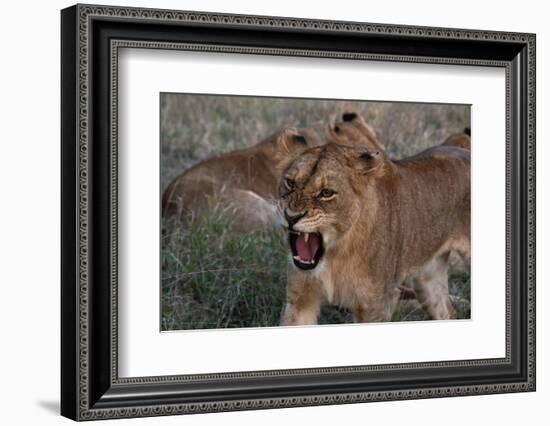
<point x="292" y="217"/>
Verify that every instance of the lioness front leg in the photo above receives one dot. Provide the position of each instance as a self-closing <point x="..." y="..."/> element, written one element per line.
<point x="432" y="289"/>
<point x="304" y="297"/>
<point x="372" y="307"/>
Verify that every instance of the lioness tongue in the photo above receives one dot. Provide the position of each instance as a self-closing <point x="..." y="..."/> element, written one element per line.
<point x="307" y="249"/>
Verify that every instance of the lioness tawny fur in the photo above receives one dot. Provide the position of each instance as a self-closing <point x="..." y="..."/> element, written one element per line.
<point x="360" y="224"/>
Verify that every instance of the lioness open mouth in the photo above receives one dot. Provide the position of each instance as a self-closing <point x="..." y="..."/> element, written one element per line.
<point x="307" y="248"/>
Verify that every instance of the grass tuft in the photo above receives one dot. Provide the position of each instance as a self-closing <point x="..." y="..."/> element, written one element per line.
<point x="214" y="277"/>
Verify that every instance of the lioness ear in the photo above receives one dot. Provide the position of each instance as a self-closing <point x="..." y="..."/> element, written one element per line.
<point x="299" y="139"/>
<point x="370" y="155"/>
<point x="290" y="144"/>
<point x="290" y="140"/>
<point x="353" y="130"/>
<point x="335" y="134"/>
<point x="369" y="161"/>
<point x="349" y="116"/>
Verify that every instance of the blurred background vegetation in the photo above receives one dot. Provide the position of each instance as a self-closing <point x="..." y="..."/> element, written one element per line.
<point x="213" y="277"/>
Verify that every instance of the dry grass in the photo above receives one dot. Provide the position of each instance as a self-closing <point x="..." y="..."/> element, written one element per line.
<point x="213" y="277"/>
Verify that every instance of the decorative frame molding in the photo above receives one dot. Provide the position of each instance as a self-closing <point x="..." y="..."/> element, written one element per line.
<point x="91" y="37"/>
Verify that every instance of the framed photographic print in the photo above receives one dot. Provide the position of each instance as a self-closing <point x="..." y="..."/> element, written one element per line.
<point x="263" y="212"/>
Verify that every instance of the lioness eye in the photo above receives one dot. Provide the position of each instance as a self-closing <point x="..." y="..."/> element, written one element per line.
<point x="289" y="183"/>
<point x="326" y="193"/>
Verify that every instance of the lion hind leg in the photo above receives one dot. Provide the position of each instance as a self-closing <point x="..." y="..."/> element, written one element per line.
<point x="431" y="286"/>
<point x="375" y="306"/>
<point x="251" y="210"/>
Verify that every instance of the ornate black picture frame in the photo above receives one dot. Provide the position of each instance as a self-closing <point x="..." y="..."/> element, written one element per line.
<point x="91" y="36"/>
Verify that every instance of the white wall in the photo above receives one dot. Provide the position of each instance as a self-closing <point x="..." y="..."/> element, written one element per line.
<point x="29" y="213"/>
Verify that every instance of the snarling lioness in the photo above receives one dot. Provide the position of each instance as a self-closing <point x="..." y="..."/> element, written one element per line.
<point x="360" y="224"/>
